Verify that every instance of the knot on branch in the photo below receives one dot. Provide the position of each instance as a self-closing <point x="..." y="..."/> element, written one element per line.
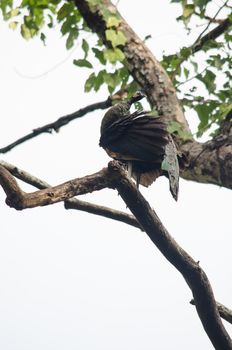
<point x="117" y="173"/>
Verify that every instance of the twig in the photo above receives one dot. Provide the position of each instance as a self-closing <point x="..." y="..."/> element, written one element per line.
<point x="213" y="20"/>
<point x="48" y="128"/>
<point x="210" y="22"/>
<point x="186" y="81"/>
<point x="73" y="203"/>
<point x="58" y="123"/>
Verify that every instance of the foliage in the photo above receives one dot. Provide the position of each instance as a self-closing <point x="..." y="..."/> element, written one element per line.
<point x="188" y="71"/>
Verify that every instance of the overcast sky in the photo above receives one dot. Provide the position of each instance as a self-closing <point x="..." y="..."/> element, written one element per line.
<point x="70" y="280"/>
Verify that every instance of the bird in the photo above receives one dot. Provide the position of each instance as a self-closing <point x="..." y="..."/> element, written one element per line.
<point x="142" y="142"/>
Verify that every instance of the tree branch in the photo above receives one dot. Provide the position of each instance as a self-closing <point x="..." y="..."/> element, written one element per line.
<point x="224" y="311"/>
<point x="213" y="34"/>
<point x="115" y="177"/>
<point x="109" y="213"/>
<point x="211" y="162"/>
<point x="56" y="125"/>
<point x="73" y="203"/>
<point x="19" y="200"/>
<point x="190" y="270"/>
<point x="24" y="176"/>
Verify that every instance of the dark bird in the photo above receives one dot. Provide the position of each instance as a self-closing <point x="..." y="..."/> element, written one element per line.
<point x="141" y="141"/>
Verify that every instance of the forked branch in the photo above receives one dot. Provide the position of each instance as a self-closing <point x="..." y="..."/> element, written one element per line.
<point x="115" y="177"/>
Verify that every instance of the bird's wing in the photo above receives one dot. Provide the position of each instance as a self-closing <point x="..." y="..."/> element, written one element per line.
<point x="138" y="136"/>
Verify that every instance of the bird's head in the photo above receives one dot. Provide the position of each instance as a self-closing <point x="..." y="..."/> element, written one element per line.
<point x="137" y="96"/>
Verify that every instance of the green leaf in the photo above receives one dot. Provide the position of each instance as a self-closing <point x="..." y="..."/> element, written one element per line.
<point x="64" y="11"/>
<point x="116" y="38"/>
<point x="26" y="32"/>
<point x="124" y="75"/>
<point x="201" y="3"/>
<point x="14" y="12"/>
<point x="176" y="128"/>
<point x="13" y="25"/>
<point x="216" y="61"/>
<point x="203" y="114"/>
<point x="188" y="10"/>
<point x="112" y="21"/>
<point x="114" y="55"/>
<point x="209" y="80"/>
<point x="99" y="81"/>
<point x="50" y="23"/>
<point x="43" y="38"/>
<point x="73" y="35"/>
<point x="185" y="52"/>
<point x="99" y="55"/>
<point x="82" y="63"/>
<point x="195" y="66"/>
<point x="68" y="24"/>
<point x="89" y="84"/>
<point x="85" y="47"/>
<point x="186" y="73"/>
<point x="94" y="2"/>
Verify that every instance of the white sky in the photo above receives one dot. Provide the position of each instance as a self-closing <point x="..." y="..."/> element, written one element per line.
<point x="70" y="280"/>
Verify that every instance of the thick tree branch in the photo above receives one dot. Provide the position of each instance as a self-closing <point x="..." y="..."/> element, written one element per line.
<point x="211" y="162"/>
<point x="19" y="200"/>
<point x="224" y="311"/>
<point x="72" y="203"/>
<point x="190" y="269"/>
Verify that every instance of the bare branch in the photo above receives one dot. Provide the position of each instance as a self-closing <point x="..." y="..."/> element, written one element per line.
<point x="9" y="184"/>
<point x="24" y="176"/>
<point x="73" y="203"/>
<point x="190" y="269"/>
<point x="22" y="200"/>
<point x="48" y="128"/>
